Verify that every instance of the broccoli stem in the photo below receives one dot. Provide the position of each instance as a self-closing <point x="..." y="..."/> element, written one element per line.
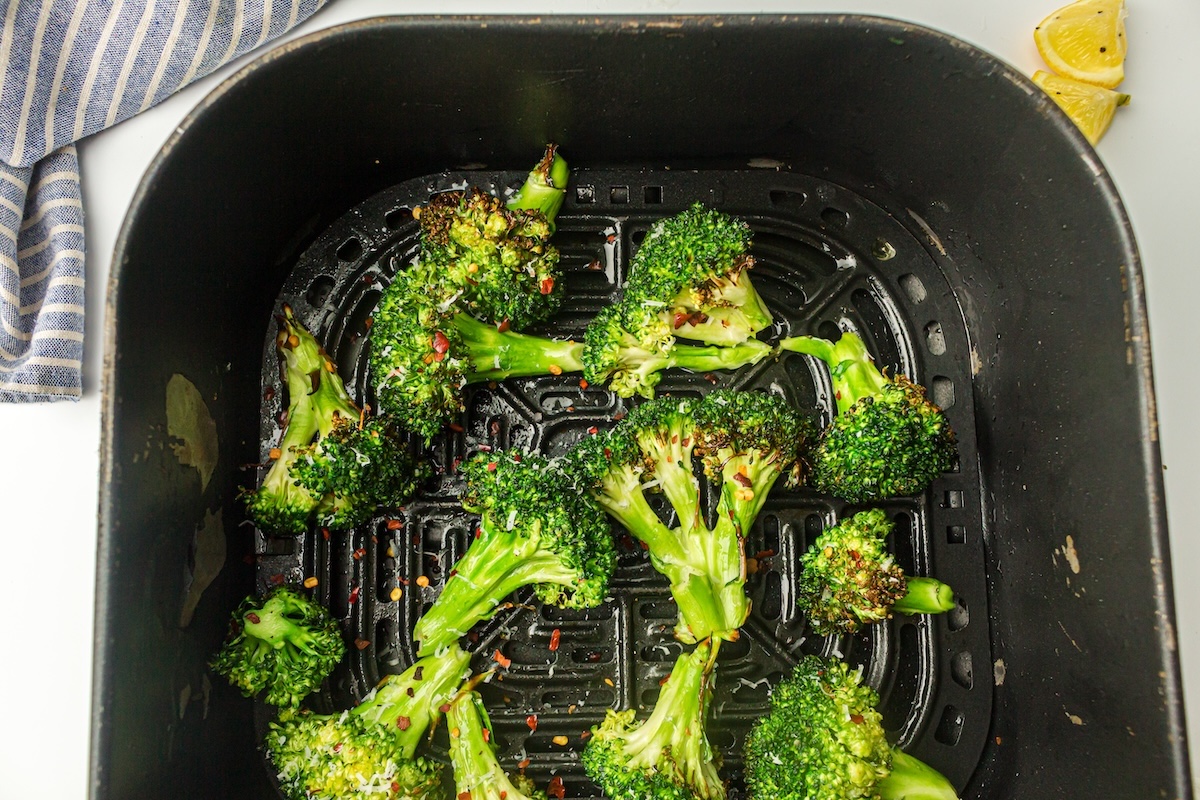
<point x="851" y="367"/>
<point x="912" y="779"/>
<point x="544" y="187"/>
<point x="495" y="354"/>
<point x="495" y="565"/>
<point x="726" y="573"/>
<point x="925" y="596"/>
<point x="708" y="358"/>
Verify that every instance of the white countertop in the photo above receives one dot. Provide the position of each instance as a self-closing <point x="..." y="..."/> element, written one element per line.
<point x="49" y="456"/>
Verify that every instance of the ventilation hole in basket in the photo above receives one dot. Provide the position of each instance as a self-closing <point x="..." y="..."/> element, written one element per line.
<point x="956" y="534"/>
<point x="958" y="617"/>
<point x="397" y="219"/>
<point x="960" y="670"/>
<point x="950" y="726"/>
<point x="637" y="237"/>
<point x="882" y="250"/>
<point x="829" y="330"/>
<point x="952" y="499"/>
<point x="772" y="603"/>
<point x="913" y="287"/>
<point x="941" y="391"/>
<point x="319" y="291"/>
<point x="835" y="217"/>
<point x="385" y="633"/>
<point x="618" y="195"/>
<point x="782" y="198"/>
<point x="770" y="529"/>
<point x="935" y="340"/>
<point x="813" y="525"/>
<point x="664" y="609"/>
<point x="900" y="700"/>
<point x="721" y="739"/>
<point x="351" y="250"/>
<point x="649" y="696"/>
<point x="588" y="698"/>
<point x="543" y="745"/>
<point x="585" y="195"/>
<point x="664" y="653"/>
<point x="903" y="543"/>
<point x="593" y="655"/>
<point x="652" y="195"/>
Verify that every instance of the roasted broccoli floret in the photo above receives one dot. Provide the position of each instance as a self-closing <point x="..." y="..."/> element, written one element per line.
<point x="823" y="740"/>
<point x="545" y="187"/>
<point x="371" y="748"/>
<point x="849" y="579"/>
<point x="283" y="643"/>
<point x="534" y="530"/>
<point x="477" y="772"/>
<point x="759" y="438"/>
<point x="666" y="756"/>
<point x="690" y="276"/>
<point x="355" y="465"/>
<point x="887" y="440"/>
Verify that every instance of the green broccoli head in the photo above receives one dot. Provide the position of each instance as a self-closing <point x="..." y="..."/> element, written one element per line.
<point x="823" y="739"/>
<point x="691" y="274"/>
<point x="283" y="643"/>
<point x="612" y="354"/>
<point x="477" y="772"/>
<point x="666" y="756"/>
<point x="534" y="530"/>
<point x="887" y="440"/>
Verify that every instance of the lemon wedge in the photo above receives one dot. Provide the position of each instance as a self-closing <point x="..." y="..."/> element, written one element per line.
<point x="1089" y="106"/>
<point x="1085" y="41"/>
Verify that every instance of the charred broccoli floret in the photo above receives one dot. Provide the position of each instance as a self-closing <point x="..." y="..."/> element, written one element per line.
<point x="823" y="740"/>
<point x="283" y="643"/>
<point x="355" y="465"/>
<point x="477" y="772"/>
<point x="534" y="530"/>
<point x="666" y="756"/>
<point x="655" y="448"/>
<point x="849" y="579"/>
<point x="371" y="748"/>
<point x="887" y="440"/>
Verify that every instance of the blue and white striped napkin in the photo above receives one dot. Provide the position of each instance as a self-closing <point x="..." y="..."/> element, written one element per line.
<point x="70" y="68"/>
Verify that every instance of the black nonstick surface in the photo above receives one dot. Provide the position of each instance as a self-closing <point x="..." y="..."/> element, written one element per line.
<point x="826" y="260"/>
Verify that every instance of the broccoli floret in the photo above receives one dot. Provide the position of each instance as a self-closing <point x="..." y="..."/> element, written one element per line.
<point x="371" y="748"/>
<point x="283" y="643"/>
<point x="754" y="439"/>
<point x="849" y="579"/>
<point x="628" y="350"/>
<point x="355" y="464"/>
<point x="887" y="440"/>
<point x="823" y="740"/>
<point x="534" y="530"/>
<point x="545" y="187"/>
<point x="667" y="756"/>
<point x="691" y="275"/>
<point x="477" y="772"/>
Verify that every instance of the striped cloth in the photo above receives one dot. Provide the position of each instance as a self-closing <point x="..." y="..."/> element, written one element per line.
<point x="70" y="68"/>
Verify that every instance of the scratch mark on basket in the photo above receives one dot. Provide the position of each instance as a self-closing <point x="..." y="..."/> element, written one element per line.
<point x="1069" y="639"/>
<point x="933" y="237"/>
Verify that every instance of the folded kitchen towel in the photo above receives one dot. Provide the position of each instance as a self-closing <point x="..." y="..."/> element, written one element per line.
<point x="70" y="68"/>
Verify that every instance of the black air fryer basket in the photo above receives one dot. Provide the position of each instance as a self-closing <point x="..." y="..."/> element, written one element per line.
<point x="900" y="183"/>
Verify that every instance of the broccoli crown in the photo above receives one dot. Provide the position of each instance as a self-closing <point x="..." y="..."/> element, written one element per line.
<point x="630" y="360"/>
<point x="892" y="444"/>
<point x="283" y="643"/>
<point x="753" y="424"/>
<point x="667" y="756"/>
<point x="492" y="262"/>
<point x="358" y="467"/>
<point x="847" y="577"/>
<point x="477" y="772"/>
<point x="822" y="738"/>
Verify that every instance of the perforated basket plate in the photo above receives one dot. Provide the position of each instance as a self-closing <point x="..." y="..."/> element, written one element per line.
<point x="826" y="260"/>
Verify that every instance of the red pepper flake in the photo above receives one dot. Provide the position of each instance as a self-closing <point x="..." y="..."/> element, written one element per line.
<point x="395" y="524"/>
<point x="504" y="325"/>
<point x="325" y="534"/>
<point x="742" y="480"/>
<point x="491" y="467"/>
<point x="419" y="673"/>
<point x="555" y="636"/>
<point x="444" y="708"/>
<point x="698" y="318"/>
<point x="269" y="394"/>
<point x="585" y="735"/>
<point x="595" y="264"/>
<point x="396" y="786"/>
<point x="370" y="321"/>
<point x="708" y="376"/>
<point x="617" y="417"/>
<point x="764" y="554"/>
<point x="681" y="319"/>
<point x="522" y="764"/>
<point x="555" y="788"/>
<point x="501" y="659"/>
<point x="583" y="384"/>
<point x="547" y="285"/>
<point x="454" y="426"/>
<point x="439" y="357"/>
<point x="440" y="343"/>
<point x="276" y="579"/>
<point x="592" y="431"/>
<point x="464" y="796"/>
<point x="857" y="719"/>
<point x="478" y="532"/>
<point x="612" y="237"/>
<point x="337" y="748"/>
<point x="359" y="553"/>
<point x="503" y="795"/>
<point x="531" y="721"/>
<point x="402" y="581"/>
<point x="362" y="644"/>
<point x="354" y="595"/>
<point x="253" y="618"/>
<point x="487" y="735"/>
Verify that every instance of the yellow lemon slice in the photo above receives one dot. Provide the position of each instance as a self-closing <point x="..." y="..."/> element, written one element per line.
<point x="1085" y="41"/>
<point x="1090" y="107"/>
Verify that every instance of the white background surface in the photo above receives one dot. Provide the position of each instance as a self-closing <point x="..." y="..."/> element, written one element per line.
<point x="49" y="454"/>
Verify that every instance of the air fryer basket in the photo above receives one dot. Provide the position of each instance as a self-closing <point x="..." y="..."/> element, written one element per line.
<point x="900" y="184"/>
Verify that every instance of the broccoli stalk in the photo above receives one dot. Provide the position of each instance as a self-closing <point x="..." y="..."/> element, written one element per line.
<point x="533" y="531"/>
<point x="667" y="756"/>
<point x="545" y="187"/>
<point x="849" y="579"/>
<point x="477" y="772"/>
<point x="887" y="440"/>
<point x="372" y="748"/>
<point x="823" y="738"/>
<point x="284" y="643"/>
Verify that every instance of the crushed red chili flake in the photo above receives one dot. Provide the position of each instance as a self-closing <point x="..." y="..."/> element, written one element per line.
<point x="592" y="431"/>
<point x="617" y="417"/>
<point x="504" y="325"/>
<point x="547" y="285"/>
<point x="555" y="636"/>
<point x="444" y="708"/>
<point x="362" y="644"/>
<point x="440" y="343"/>
<point x="402" y="581"/>
<point x="359" y="553"/>
<point x="595" y="264"/>
<point x="276" y="579"/>
<point x="857" y="719"/>
<point x="523" y="763"/>
<point x="491" y="467"/>
<point x="742" y="480"/>
<point x="403" y="723"/>
<point x="531" y="721"/>
<point x="502" y="659"/>
<point x="487" y="735"/>
<point x="325" y="534"/>
<point x="337" y="748"/>
<point x="395" y="524"/>
<point x="708" y="376"/>
<point x="354" y="595"/>
<point x="395" y="786"/>
<point x="370" y="321"/>
<point x="454" y="426"/>
<point x="585" y="735"/>
<point x="269" y="394"/>
<point x="764" y="554"/>
<point x="680" y="319"/>
<point x="555" y="788"/>
<point x="419" y="673"/>
<point x="464" y="796"/>
<point x="254" y="618"/>
<point x="612" y="237"/>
